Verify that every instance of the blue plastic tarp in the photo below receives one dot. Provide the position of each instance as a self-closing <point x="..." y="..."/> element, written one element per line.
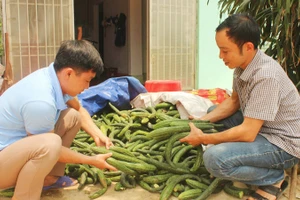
<point x="118" y="90"/>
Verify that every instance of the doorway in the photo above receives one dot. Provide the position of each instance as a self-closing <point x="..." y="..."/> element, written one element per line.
<point x="97" y="18"/>
<point x="101" y="29"/>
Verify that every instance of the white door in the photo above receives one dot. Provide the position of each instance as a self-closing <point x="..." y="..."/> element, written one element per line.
<point x="36" y="28"/>
<point x="173" y="41"/>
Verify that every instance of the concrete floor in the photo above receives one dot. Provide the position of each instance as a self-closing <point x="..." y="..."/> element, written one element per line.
<point x="137" y="193"/>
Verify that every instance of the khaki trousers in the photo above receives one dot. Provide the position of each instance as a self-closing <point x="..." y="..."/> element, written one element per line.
<point x="25" y="163"/>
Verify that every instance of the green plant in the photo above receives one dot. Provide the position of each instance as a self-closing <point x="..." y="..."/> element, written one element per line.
<point x="280" y="29"/>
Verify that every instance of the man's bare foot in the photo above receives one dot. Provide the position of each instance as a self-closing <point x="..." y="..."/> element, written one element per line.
<point x="49" y="180"/>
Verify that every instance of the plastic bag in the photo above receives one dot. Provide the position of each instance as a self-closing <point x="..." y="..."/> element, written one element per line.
<point x="118" y="90"/>
<point x="216" y="95"/>
<point x="186" y="103"/>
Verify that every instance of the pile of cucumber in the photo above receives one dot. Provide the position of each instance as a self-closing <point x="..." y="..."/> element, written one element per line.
<point x="147" y="152"/>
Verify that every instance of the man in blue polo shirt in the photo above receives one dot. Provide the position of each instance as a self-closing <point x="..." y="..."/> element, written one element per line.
<point x="39" y="105"/>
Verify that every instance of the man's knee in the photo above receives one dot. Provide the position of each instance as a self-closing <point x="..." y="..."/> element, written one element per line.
<point x="69" y="119"/>
<point x="74" y="116"/>
<point x="214" y="159"/>
<point x="52" y="144"/>
<point x="209" y="158"/>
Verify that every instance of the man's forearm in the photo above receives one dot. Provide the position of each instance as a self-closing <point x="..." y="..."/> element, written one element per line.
<point x="87" y="123"/>
<point x="69" y="156"/>
<point x="223" y="110"/>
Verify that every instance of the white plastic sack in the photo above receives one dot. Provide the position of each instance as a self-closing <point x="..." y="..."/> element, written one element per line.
<point x="187" y="104"/>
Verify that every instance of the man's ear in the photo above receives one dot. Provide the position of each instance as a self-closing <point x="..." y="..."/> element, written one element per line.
<point x="67" y="72"/>
<point x="249" y="46"/>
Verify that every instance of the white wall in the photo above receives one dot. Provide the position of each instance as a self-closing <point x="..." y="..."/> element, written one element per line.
<point x="212" y="73"/>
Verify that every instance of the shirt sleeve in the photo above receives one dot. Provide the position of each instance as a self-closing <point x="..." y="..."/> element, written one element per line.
<point x="67" y="97"/>
<point x="263" y="102"/>
<point x="39" y="117"/>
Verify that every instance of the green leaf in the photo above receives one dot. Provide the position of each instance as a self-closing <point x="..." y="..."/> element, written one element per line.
<point x="280" y="28"/>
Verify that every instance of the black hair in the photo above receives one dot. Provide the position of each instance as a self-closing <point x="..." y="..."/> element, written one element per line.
<point x="242" y="28"/>
<point x="80" y="55"/>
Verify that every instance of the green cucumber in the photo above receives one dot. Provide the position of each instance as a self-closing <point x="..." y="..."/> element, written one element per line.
<point x="210" y="189"/>
<point x="196" y="184"/>
<point x="172" y="182"/>
<point x="155" y="179"/>
<point x="190" y="194"/>
<point x="98" y="193"/>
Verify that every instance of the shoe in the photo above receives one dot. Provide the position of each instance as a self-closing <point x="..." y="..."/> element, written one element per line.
<point x="272" y="190"/>
<point x="63" y="181"/>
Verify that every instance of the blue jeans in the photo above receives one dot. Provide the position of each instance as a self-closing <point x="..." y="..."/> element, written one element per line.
<point x="255" y="163"/>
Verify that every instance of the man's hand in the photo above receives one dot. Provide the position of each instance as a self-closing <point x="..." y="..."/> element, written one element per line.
<point x="88" y="125"/>
<point x="103" y="141"/>
<point x="194" y="118"/>
<point x="194" y="138"/>
<point x="100" y="161"/>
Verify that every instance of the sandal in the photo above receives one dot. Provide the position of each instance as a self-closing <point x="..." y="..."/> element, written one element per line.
<point x="270" y="189"/>
<point x="63" y="181"/>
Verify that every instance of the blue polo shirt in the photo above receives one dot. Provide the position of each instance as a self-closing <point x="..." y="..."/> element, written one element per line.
<point x="31" y="105"/>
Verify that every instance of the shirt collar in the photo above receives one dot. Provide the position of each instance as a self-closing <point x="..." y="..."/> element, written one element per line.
<point x="247" y="73"/>
<point x="60" y="99"/>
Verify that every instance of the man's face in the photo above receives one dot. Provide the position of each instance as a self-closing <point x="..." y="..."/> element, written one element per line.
<point x="79" y="81"/>
<point x="230" y="53"/>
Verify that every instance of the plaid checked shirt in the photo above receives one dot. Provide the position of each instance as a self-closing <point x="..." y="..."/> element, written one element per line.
<point x="266" y="93"/>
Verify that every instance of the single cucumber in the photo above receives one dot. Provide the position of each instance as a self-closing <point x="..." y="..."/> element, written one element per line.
<point x="235" y="193"/>
<point x="169" y="146"/>
<point x="164" y="123"/>
<point x="149" y="188"/>
<point x="120" y="166"/>
<point x="155" y="179"/>
<point x="138" y="167"/>
<point x="165" y="132"/>
<point x="119" y="187"/>
<point x="210" y="189"/>
<point x="127" y="181"/>
<point x="98" y="193"/>
<point x="162" y="165"/>
<point x="166" y="105"/>
<point x="189" y="194"/>
<point x="232" y="190"/>
<point x="83" y="179"/>
<point x="199" y="159"/>
<point x="181" y="152"/>
<point x="116" y="155"/>
<point x="196" y="184"/>
<point x="100" y="175"/>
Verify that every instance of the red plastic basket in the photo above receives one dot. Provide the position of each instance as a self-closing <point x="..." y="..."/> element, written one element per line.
<point x="162" y="85"/>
